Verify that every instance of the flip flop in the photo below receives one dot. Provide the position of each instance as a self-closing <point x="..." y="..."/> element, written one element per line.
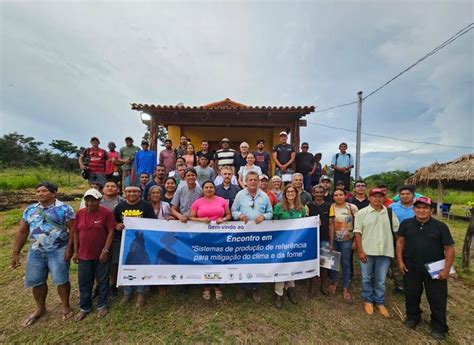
<point x="102" y="312"/>
<point x="81" y="315"/>
<point x="347" y="296"/>
<point x="332" y="288"/>
<point x="67" y="315"/>
<point x="31" y="319"/>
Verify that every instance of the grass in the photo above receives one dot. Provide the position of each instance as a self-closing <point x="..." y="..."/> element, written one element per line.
<point x="16" y="179"/>
<point x="173" y="318"/>
<point x="451" y="196"/>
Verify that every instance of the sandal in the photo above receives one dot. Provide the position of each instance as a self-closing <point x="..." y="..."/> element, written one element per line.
<point x="31" y="319"/>
<point x="206" y="294"/>
<point x="102" y="312"/>
<point x="67" y="315"/>
<point x="218" y="294"/>
<point x="346" y="295"/>
<point x="332" y="288"/>
<point x="81" y="315"/>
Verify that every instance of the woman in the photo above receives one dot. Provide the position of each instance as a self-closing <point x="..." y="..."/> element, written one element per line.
<point x="170" y="189"/>
<point x="341" y="225"/>
<point x="190" y="156"/>
<point x="289" y="208"/>
<point x="250" y="166"/>
<point x="320" y="207"/>
<point x="276" y="187"/>
<point x="162" y="209"/>
<point x="206" y="209"/>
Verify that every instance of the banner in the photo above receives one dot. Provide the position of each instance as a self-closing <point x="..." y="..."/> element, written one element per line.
<point x="160" y="252"/>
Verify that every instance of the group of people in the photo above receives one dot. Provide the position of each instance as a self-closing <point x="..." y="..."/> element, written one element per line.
<point x="225" y="186"/>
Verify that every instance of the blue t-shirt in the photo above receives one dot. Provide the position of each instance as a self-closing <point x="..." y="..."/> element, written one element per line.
<point x="48" y="226"/>
<point x="401" y="211"/>
<point x="145" y="162"/>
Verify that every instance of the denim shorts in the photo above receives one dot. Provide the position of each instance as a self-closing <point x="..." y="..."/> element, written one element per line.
<point x="39" y="263"/>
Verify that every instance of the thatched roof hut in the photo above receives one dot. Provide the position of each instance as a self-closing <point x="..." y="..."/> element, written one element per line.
<point x="458" y="173"/>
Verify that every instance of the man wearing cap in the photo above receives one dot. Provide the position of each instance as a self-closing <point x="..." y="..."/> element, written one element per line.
<point x="145" y="160"/>
<point x="283" y="156"/>
<point x="133" y="206"/>
<point x="112" y="164"/>
<point x="205" y="151"/>
<point x="93" y="159"/>
<point x="167" y="157"/>
<point x="325" y="181"/>
<point x="126" y="157"/>
<point x="305" y="165"/>
<point x="422" y="240"/>
<point x="262" y="157"/>
<point x="263" y="186"/>
<point x="93" y="234"/>
<point x="342" y="163"/>
<point x="46" y="223"/>
<point x="226" y="155"/>
<point x="374" y="238"/>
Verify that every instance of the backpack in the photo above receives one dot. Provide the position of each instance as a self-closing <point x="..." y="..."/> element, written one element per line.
<point x="337" y="156"/>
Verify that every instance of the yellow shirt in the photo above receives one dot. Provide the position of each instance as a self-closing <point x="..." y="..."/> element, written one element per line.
<point x="377" y="237"/>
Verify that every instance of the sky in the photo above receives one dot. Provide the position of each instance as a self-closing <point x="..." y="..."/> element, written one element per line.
<point x="69" y="70"/>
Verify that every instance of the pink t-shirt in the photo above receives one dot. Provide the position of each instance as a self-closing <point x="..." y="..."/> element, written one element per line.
<point x="212" y="209"/>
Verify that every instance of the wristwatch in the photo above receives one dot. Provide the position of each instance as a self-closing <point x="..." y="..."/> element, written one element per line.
<point x="105" y="250"/>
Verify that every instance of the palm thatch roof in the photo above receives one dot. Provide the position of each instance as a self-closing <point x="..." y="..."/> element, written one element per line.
<point x="458" y="173"/>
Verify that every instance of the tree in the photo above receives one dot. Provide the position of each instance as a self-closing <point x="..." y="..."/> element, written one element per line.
<point x="393" y="179"/>
<point x="17" y="150"/>
<point x="66" y="150"/>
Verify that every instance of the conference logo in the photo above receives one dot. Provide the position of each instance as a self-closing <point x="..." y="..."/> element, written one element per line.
<point x="129" y="277"/>
<point x="145" y="277"/>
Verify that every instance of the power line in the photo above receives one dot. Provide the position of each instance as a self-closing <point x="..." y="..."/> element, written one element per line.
<point x="392" y="138"/>
<point x="450" y="40"/>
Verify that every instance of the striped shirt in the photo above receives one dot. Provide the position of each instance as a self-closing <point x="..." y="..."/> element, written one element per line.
<point x="225" y="157"/>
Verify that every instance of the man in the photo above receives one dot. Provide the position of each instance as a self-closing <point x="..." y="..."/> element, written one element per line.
<point x="219" y="178"/>
<point x="112" y="164"/>
<point x="325" y="181"/>
<point x="226" y="155"/>
<point x="181" y="149"/>
<point x="318" y="171"/>
<point x="251" y="204"/>
<point x="145" y="160"/>
<point x="263" y="186"/>
<point x="144" y="179"/>
<point x="133" y="206"/>
<point x="92" y="185"/>
<point x="305" y="165"/>
<point x="167" y="157"/>
<point x="204" y="172"/>
<point x="227" y="189"/>
<point x="93" y="234"/>
<point x="422" y="240"/>
<point x="297" y="182"/>
<point x="157" y="180"/>
<point x="126" y="157"/>
<point x="206" y="152"/>
<point x="262" y="158"/>
<point x="93" y="159"/>
<point x="387" y="201"/>
<point x="283" y="156"/>
<point x="185" y="195"/>
<point x="374" y="233"/>
<point x="181" y="172"/>
<point x="46" y="223"/>
<point x="110" y="199"/>
<point x="240" y="159"/>
<point x="339" y="185"/>
<point x="342" y="163"/>
<point x="360" y="197"/>
<point x="403" y="209"/>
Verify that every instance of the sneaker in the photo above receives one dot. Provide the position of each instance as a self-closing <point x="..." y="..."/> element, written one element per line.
<point x="291" y="293"/>
<point x="256" y="296"/>
<point x="125" y="299"/>
<point x="438" y="335"/>
<point x="278" y="301"/>
<point x="368" y="308"/>
<point x="410" y="323"/>
<point x="240" y="295"/>
<point x="383" y="310"/>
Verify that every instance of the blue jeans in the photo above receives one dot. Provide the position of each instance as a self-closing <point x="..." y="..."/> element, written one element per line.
<point x="279" y="173"/>
<point x="307" y="182"/>
<point x="345" y="248"/>
<point x="374" y="273"/>
<point x="39" y="263"/>
<point x="88" y="271"/>
<point x="128" y="290"/>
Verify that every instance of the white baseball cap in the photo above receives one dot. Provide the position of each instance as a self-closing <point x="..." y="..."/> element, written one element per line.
<point x="93" y="193"/>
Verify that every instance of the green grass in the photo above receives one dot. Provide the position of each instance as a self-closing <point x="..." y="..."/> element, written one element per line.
<point x="451" y="196"/>
<point x="174" y="318"/>
<point x="15" y="179"/>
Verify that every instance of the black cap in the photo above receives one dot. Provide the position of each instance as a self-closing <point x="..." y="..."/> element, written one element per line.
<point x="145" y="142"/>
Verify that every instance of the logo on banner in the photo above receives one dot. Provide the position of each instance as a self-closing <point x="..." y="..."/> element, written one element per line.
<point x="173" y="277"/>
<point x="249" y="275"/>
<point x="212" y="276"/>
<point x="129" y="277"/>
<point x="231" y="276"/>
<point x="145" y="277"/>
<point x="296" y="273"/>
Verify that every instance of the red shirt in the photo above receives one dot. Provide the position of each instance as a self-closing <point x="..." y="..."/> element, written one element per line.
<point x="109" y="165"/>
<point x="93" y="229"/>
<point x="387" y="202"/>
<point x="273" y="198"/>
<point x="97" y="158"/>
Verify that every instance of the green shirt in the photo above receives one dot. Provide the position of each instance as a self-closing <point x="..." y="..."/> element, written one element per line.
<point x="377" y="237"/>
<point x="280" y="213"/>
<point x="126" y="153"/>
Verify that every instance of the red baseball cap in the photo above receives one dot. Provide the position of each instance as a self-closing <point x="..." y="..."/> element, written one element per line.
<point x="424" y="200"/>
<point x="376" y="191"/>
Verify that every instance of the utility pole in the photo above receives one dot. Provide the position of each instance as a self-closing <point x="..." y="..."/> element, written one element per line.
<point x="358" y="138"/>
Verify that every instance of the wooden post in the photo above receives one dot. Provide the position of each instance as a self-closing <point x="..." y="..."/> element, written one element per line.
<point x="154" y="134"/>
<point x="466" y="248"/>
<point x="439" y="210"/>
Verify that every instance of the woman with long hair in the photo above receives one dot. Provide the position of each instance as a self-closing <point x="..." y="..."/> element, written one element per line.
<point x="210" y="207"/>
<point x="341" y="226"/>
<point x="190" y="156"/>
<point x="250" y="166"/>
<point x="169" y="189"/>
<point x="289" y="208"/>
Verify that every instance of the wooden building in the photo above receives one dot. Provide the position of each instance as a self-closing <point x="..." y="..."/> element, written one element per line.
<point x="227" y="118"/>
